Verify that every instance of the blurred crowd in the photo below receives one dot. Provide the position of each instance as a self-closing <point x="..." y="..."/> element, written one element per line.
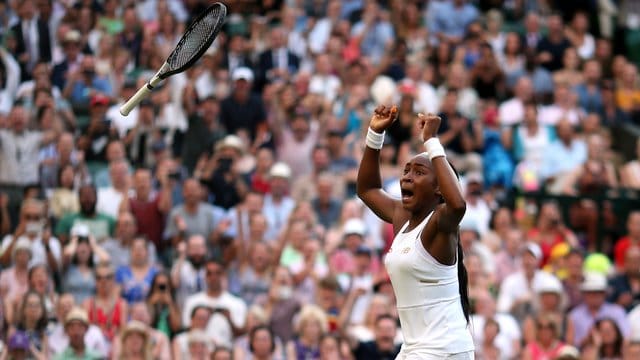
<point x="219" y="219"/>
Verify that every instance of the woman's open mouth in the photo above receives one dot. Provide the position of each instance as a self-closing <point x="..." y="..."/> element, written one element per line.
<point x="406" y="194"/>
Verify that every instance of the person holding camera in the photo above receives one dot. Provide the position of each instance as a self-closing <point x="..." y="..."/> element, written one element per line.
<point x="45" y="249"/>
<point x="79" y="260"/>
<point x="161" y="301"/>
<point x="221" y="173"/>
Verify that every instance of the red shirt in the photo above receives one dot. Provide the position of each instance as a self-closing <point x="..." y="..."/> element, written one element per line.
<point x="622" y="245"/>
<point x="149" y="219"/>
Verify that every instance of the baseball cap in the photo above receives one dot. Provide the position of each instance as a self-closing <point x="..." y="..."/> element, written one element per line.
<point x="72" y="36"/>
<point x="597" y="263"/>
<point x="281" y="170"/>
<point x="354" y="226"/>
<point x="23" y="243"/>
<point x="19" y="341"/>
<point x="99" y="99"/>
<point x="549" y="284"/>
<point x="533" y="249"/>
<point x="242" y="73"/>
<point x="593" y="282"/>
<point x="231" y="141"/>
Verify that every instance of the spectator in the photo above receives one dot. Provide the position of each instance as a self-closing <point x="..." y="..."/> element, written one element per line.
<point x="159" y="342"/>
<point x="205" y="129"/>
<point x="509" y="337"/>
<point x="594" y="308"/>
<point x="311" y="325"/>
<point x="551" y="47"/>
<point x="13" y="280"/>
<point x="84" y="84"/>
<point x="148" y="207"/>
<point x="80" y="257"/>
<point x="512" y="112"/>
<point x="45" y="249"/>
<point x="134" y="342"/>
<point x="456" y="135"/>
<point x="630" y="172"/>
<point x="565" y="154"/>
<point x="242" y="110"/>
<point x="107" y="310"/>
<point x="254" y="275"/>
<point x="281" y="304"/>
<point x="588" y="91"/>
<point x="72" y="52"/>
<point x="193" y="216"/>
<point x="228" y="318"/>
<point x="627" y="93"/>
<point x="623" y="289"/>
<point x="278" y="62"/>
<point x="200" y="316"/>
<point x="32" y="320"/>
<point x="569" y="74"/>
<point x="325" y="205"/>
<point x="110" y="198"/>
<point x="11" y="75"/>
<point x="547" y="343"/>
<point x="187" y="274"/>
<point x="605" y="340"/>
<point x="383" y="346"/>
<point x="135" y="278"/>
<point x="278" y="205"/>
<point x="76" y="325"/>
<point x="100" y="225"/>
<point x="574" y="263"/>
<point x="564" y="107"/>
<point x="532" y="34"/>
<point x="19" y="156"/>
<point x="60" y="340"/>
<point x="161" y="302"/>
<point x="32" y="38"/>
<point x="441" y="21"/>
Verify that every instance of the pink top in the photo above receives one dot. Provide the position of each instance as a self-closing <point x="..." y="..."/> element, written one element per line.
<point x="15" y="288"/>
<point x="538" y="353"/>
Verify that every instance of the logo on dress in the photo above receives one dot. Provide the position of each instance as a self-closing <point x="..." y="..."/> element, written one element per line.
<point x="406" y="250"/>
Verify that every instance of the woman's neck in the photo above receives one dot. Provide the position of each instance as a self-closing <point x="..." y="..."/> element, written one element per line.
<point x="307" y="341"/>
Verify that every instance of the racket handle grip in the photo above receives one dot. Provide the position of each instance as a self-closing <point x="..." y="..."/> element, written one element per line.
<point x="142" y="93"/>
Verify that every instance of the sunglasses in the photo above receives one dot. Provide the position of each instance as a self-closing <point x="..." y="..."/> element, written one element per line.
<point x="545" y="326"/>
<point x="32" y="217"/>
<point x="104" y="277"/>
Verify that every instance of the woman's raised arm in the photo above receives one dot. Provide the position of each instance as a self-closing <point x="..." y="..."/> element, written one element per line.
<point x="369" y="181"/>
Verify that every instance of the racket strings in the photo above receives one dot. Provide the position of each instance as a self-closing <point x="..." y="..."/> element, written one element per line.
<point x="199" y="35"/>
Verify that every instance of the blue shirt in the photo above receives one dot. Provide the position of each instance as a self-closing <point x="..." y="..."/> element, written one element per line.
<point x="561" y="158"/>
<point x="134" y="290"/>
<point x="80" y="92"/>
<point x="450" y="20"/>
<point x="589" y="101"/>
<point x="583" y="320"/>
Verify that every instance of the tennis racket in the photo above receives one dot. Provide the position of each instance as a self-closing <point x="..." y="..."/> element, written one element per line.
<point x="195" y="41"/>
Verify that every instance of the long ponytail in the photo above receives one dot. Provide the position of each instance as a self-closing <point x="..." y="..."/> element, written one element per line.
<point x="463" y="283"/>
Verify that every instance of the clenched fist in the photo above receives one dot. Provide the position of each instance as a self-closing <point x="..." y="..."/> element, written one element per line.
<point x="429" y="124"/>
<point x="383" y="117"/>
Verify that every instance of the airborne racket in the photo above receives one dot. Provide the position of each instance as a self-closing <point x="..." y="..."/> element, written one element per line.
<point x="195" y="41"/>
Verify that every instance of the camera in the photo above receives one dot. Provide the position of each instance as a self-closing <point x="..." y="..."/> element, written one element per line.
<point x="162" y="287"/>
<point x="82" y="239"/>
<point x="174" y="175"/>
<point x="224" y="164"/>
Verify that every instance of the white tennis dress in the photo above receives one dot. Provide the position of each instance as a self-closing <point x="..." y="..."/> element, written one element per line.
<point x="428" y="300"/>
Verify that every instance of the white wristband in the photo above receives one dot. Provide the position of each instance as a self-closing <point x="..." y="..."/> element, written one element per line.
<point x="434" y="148"/>
<point x="374" y="140"/>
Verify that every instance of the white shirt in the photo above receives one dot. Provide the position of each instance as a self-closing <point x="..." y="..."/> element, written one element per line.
<point x="38" y="253"/>
<point x="509" y="332"/>
<point x="550" y="115"/>
<point x="120" y="122"/>
<point x="93" y="339"/>
<point x="218" y="328"/>
<point x="634" y="320"/>
<point x="319" y="35"/>
<point x="325" y="85"/>
<point x="192" y="281"/>
<point x="428" y="299"/>
<point x="109" y="200"/>
<point x="277" y="214"/>
<point x="511" y="112"/>
<point x="516" y="287"/>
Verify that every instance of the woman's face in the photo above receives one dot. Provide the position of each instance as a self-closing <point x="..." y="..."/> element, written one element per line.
<point x="200" y="319"/>
<point x="139" y="252"/>
<point x="260" y="257"/>
<point x="546" y="332"/>
<point x="418" y="184"/>
<point x="33" y="308"/>
<point x="312" y="329"/>
<point x="40" y="280"/>
<point x="608" y="332"/>
<point x="570" y="59"/>
<point x="134" y="342"/>
<point x="104" y="279"/>
<point x="329" y="348"/>
<point x="83" y="252"/>
<point x="66" y="177"/>
<point x="22" y="258"/>
<point x="550" y="301"/>
<point x="503" y="219"/>
<point x="262" y="343"/>
<point x="282" y="277"/>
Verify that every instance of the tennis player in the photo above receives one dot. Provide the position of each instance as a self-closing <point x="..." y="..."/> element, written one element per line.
<point x="425" y="259"/>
